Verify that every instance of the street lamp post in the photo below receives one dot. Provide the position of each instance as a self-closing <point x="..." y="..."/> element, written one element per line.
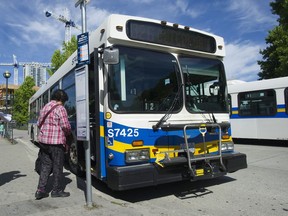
<point x="6" y="75"/>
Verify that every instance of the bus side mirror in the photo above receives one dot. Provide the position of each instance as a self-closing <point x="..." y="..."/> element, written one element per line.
<point x="111" y="56"/>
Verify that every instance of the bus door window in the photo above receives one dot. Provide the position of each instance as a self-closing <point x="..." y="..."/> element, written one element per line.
<point x="68" y="85"/>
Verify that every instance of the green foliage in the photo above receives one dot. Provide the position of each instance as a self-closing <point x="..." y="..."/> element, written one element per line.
<point x="280" y="7"/>
<point x="21" y="100"/>
<point x="58" y="57"/>
<point x="56" y="61"/>
<point x="275" y="56"/>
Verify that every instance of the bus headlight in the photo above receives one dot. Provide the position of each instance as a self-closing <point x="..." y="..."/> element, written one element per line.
<point x="227" y="146"/>
<point x="137" y="155"/>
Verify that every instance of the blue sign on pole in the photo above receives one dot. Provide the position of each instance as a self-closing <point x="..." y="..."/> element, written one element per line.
<point x="83" y="48"/>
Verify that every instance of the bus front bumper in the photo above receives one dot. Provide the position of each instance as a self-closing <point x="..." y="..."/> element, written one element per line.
<point x="136" y="176"/>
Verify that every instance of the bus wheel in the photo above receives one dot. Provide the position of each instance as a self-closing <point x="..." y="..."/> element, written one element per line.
<point x="73" y="160"/>
<point x="32" y="135"/>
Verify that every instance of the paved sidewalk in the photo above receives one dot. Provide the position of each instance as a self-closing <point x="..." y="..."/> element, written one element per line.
<point x="18" y="182"/>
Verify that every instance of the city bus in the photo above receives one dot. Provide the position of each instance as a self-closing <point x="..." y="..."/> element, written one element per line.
<point x="158" y="110"/>
<point x="259" y="111"/>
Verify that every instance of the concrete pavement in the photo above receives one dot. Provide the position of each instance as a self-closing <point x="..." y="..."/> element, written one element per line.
<point x="259" y="190"/>
<point x="18" y="182"/>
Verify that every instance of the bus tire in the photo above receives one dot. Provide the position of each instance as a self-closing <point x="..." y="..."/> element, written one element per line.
<point x="32" y="135"/>
<point x="73" y="160"/>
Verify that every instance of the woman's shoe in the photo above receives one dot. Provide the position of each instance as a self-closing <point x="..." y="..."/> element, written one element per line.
<point x="39" y="195"/>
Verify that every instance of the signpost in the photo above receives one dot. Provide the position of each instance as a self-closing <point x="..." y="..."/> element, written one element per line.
<point x="82" y="101"/>
<point x="82" y="96"/>
<point x="83" y="48"/>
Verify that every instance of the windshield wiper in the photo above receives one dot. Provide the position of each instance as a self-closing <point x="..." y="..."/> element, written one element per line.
<point x="168" y="113"/>
<point x="213" y="117"/>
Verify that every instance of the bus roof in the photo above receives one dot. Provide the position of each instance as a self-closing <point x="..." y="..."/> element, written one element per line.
<point x="113" y="31"/>
<point x="258" y="85"/>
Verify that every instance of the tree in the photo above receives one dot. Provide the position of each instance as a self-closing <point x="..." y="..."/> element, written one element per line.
<point x="280" y="7"/>
<point x="58" y="57"/>
<point x="21" y="100"/>
<point x="275" y="56"/>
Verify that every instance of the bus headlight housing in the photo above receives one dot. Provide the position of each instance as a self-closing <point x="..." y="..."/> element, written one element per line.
<point x="137" y="155"/>
<point x="227" y="146"/>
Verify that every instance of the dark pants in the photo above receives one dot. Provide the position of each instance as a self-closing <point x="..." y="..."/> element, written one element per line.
<point x="52" y="158"/>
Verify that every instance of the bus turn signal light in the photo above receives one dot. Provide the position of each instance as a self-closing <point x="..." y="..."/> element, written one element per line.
<point x="137" y="143"/>
<point x="225" y="136"/>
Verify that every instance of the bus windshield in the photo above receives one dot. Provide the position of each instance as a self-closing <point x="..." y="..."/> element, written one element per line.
<point x="205" y="84"/>
<point x="144" y="81"/>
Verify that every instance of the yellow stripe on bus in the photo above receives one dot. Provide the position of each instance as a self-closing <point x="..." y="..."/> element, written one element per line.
<point x="121" y="147"/>
<point x="281" y="110"/>
<point x="102" y="131"/>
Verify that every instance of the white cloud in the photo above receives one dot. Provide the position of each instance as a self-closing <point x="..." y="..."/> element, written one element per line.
<point x="183" y="6"/>
<point x="252" y="15"/>
<point x="35" y="33"/>
<point x="241" y="60"/>
<point x="97" y="16"/>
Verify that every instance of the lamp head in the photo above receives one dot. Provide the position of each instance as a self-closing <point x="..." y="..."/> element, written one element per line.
<point x="7" y="74"/>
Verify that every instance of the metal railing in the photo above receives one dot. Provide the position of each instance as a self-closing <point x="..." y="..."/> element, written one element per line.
<point x="8" y="131"/>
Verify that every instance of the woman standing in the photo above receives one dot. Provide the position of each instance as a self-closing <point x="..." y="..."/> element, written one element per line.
<point x="54" y="127"/>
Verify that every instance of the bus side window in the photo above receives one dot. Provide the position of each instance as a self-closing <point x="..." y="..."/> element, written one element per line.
<point x="257" y="103"/>
<point x="286" y="99"/>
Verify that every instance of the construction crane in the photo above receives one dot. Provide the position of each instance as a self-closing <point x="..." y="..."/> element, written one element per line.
<point x="65" y="19"/>
<point x="16" y="65"/>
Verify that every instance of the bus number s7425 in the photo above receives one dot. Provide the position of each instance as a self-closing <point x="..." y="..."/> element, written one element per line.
<point x="125" y="132"/>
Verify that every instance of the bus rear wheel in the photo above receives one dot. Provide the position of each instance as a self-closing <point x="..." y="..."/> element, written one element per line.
<point x="32" y="135"/>
<point x="73" y="160"/>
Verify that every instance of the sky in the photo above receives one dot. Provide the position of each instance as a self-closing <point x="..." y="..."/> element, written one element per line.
<point x="26" y="32"/>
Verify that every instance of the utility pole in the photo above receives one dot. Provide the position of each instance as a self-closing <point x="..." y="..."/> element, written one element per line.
<point x="82" y="4"/>
<point x="6" y="75"/>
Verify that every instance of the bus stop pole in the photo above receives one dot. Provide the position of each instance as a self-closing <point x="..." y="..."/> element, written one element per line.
<point x="82" y="4"/>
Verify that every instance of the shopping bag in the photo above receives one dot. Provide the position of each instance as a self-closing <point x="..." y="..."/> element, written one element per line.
<point x="38" y="162"/>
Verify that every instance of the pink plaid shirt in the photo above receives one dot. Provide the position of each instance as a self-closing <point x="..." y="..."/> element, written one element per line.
<point x="56" y="126"/>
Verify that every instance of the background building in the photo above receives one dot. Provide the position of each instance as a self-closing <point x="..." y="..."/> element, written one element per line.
<point x="38" y="73"/>
<point x="10" y="96"/>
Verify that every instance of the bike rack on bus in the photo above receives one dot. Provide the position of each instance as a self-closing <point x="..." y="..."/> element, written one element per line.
<point x="205" y="156"/>
<point x="191" y="150"/>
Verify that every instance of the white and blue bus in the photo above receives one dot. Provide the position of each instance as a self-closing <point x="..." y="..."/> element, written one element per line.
<point x="159" y="113"/>
<point x="259" y="111"/>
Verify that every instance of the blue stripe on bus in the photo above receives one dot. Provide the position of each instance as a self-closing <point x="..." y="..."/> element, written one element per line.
<point x="278" y="115"/>
<point x="102" y="148"/>
<point x="150" y="138"/>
